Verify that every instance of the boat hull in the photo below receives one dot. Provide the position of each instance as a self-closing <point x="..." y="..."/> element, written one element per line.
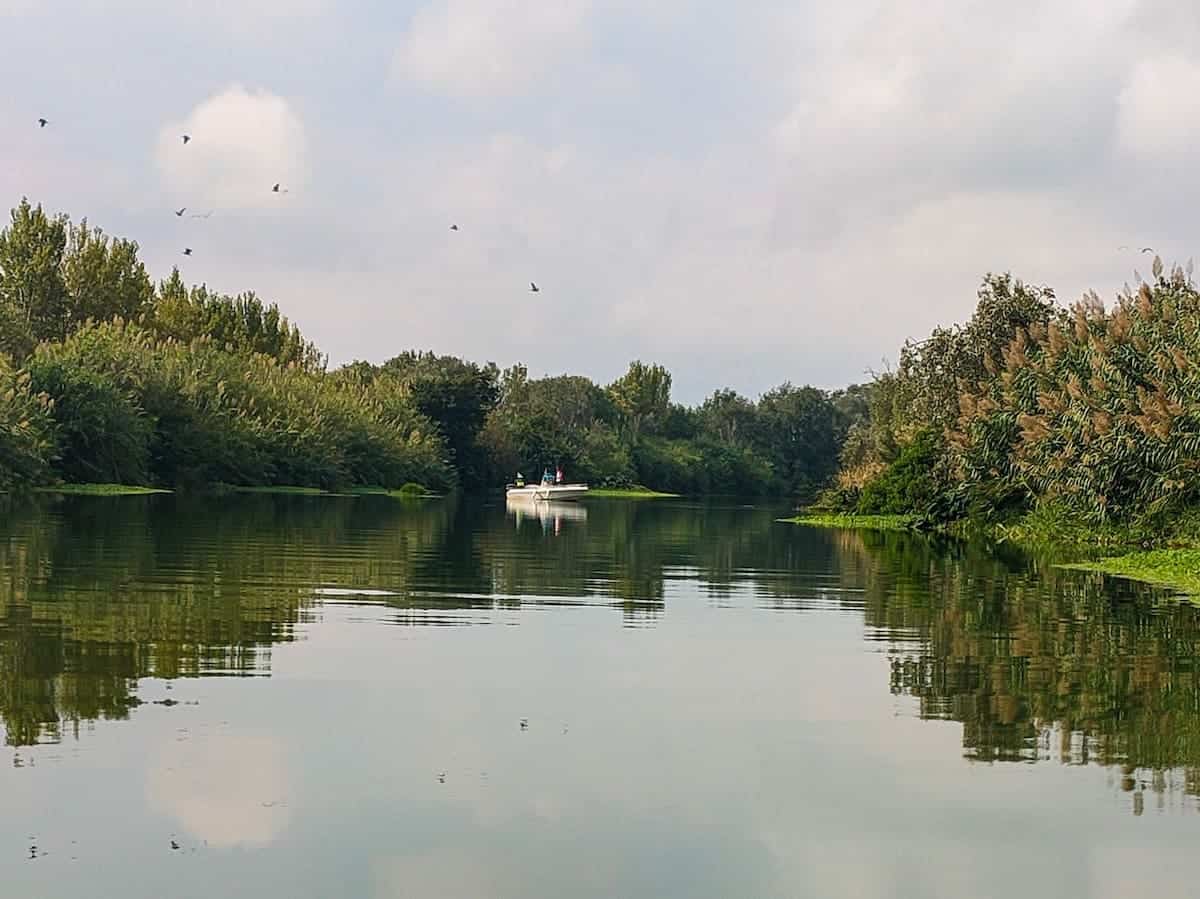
<point x="553" y="492"/>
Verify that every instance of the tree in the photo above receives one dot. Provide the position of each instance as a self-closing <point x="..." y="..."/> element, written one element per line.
<point x="728" y="416"/>
<point x="16" y="337"/>
<point x="457" y="396"/>
<point x="31" y="279"/>
<point x="565" y="419"/>
<point x="104" y="279"/>
<point x="932" y="371"/>
<point x="641" y="396"/>
<point x="241" y="324"/>
<point x="799" y="431"/>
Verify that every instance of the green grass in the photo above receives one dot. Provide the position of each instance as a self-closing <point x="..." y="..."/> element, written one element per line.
<point x="408" y="491"/>
<point x="100" y="490"/>
<point x="865" y="522"/>
<point x="629" y="493"/>
<point x="1176" y="568"/>
<point x="1050" y="529"/>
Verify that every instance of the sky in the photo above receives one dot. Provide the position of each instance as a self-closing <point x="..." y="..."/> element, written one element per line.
<point x="748" y="193"/>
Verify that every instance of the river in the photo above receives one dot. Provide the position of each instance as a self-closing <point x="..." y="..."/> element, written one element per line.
<point x="312" y="696"/>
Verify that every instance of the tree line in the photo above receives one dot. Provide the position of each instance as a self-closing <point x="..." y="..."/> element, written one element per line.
<point x="107" y="376"/>
<point x="1087" y="412"/>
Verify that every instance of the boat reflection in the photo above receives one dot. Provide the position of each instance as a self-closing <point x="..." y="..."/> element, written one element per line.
<point x="550" y="514"/>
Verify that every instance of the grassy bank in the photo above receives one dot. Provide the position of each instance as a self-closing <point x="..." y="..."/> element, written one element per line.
<point x="408" y="491"/>
<point x="100" y="490"/>
<point x="862" y="522"/>
<point x="1165" y="555"/>
<point x="1175" y="568"/>
<point x="629" y="493"/>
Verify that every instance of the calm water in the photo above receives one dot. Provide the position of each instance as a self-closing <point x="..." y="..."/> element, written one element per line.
<point x="321" y="696"/>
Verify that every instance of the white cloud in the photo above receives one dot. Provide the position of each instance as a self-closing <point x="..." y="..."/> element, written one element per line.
<point x="489" y="47"/>
<point x="1159" y="110"/>
<point x="242" y="143"/>
<point x="229" y="791"/>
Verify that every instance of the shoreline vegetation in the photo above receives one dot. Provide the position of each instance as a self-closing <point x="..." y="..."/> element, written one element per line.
<point x="100" y="490"/>
<point x="408" y="491"/>
<point x="850" y="521"/>
<point x="629" y="493"/>
<point x="107" y="377"/>
<point x="1069" y="430"/>
<point x="1176" y="567"/>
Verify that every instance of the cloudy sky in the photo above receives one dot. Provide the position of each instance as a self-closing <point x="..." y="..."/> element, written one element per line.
<point x="747" y="192"/>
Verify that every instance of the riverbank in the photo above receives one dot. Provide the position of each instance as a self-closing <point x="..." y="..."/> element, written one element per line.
<point x="1178" y="569"/>
<point x="629" y="493"/>
<point x="859" y="522"/>
<point x="100" y="490"/>
<point x="408" y="491"/>
<point x="1162" y="556"/>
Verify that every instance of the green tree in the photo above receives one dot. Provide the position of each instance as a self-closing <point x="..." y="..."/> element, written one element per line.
<point x="103" y="277"/>
<point x="799" y="431"/>
<point x="456" y="396"/>
<point x="641" y="396"/>
<point x="16" y="337"/>
<point x="242" y="323"/>
<point x="729" y="417"/>
<point x="31" y="277"/>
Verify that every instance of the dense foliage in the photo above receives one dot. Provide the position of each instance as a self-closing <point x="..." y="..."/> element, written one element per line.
<point x="108" y="377"/>
<point x="631" y="433"/>
<point x="1088" y="410"/>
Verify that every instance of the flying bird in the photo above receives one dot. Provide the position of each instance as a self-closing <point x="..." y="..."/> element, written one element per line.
<point x="174" y="845"/>
<point x="533" y="288"/>
<point x="187" y="251"/>
<point x="1147" y="249"/>
<point x="276" y="189"/>
<point x="185" y="138"/>
<point x="180" y="211"/>
<point x="454" y="227"/>
<point x="43" y="123"/>
<point x="524" y="724"/>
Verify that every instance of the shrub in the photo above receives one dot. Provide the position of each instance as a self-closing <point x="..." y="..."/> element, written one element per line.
<point x="100" y="432"/>
<point x="245" y="419"/>
<point x="26" y="429"/>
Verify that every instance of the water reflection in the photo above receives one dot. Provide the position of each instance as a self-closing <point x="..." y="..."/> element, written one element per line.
<point x="1034" y="663"/>
<point x="551" y="515"/>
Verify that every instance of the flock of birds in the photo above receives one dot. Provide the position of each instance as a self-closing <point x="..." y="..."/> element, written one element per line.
<point x="276" y="188"/>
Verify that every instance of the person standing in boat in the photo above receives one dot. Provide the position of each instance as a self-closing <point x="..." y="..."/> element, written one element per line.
<point x="547" y="479"/>
<point x="520" y="479"/>
<point x="558" y="475"/>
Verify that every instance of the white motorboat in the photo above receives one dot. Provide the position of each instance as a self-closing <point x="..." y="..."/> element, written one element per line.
<point x="547" y="492"/>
